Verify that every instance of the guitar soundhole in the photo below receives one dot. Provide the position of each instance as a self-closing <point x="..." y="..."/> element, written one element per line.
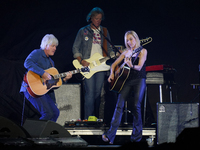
<point x="50" y="83"/>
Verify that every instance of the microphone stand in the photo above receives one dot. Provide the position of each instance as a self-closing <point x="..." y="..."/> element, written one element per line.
<point x="113" y="46"/>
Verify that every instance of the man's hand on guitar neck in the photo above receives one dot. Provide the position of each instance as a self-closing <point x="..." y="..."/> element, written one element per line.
<point x="69" y="75"/>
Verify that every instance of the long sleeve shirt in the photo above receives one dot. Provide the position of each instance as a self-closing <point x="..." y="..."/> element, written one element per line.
<point x="37" y="61"/>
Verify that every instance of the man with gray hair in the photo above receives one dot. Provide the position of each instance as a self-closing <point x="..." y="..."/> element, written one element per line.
<point x="38" y="61"/>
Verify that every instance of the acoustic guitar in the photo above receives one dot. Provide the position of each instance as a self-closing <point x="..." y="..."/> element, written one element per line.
<point x="122" y="72"/>
<point x="38" y="87"/>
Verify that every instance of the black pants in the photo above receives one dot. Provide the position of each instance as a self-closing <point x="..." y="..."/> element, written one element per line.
<point x="138" y="87"/>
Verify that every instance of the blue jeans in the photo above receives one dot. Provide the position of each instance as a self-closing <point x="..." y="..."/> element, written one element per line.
<point x="45" y="105"/>
<point x="93" y="87"/>
<point x="138" y="86"/>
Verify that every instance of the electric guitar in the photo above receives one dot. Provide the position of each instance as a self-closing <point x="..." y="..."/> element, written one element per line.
<point x="38" y="87"/>
<point x="122" y="72"/>
<point x="97" y="63"/>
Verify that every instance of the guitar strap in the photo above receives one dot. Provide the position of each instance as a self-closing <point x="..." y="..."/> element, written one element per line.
<point x="51" y="62"/>
<point x="105" y="48"/>
<point x="135" y="57"/>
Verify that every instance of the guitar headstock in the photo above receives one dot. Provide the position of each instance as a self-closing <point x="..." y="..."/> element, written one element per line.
<point x="146" y="41"/>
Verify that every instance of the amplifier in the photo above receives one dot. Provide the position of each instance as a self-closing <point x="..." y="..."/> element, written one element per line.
<point x="120" y="47"/>
<point x="173" y="118"/>
<point x="68" y="99"/>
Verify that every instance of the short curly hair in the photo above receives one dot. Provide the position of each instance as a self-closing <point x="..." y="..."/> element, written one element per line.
<point x="48" y="39"/>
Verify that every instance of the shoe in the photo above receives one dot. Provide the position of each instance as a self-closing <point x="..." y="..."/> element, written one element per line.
<point x="110" y="143"/>
<point x="104" y="138"/>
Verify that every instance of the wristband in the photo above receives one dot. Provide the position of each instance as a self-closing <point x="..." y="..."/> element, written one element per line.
<point x="81" y="60"/>
<point x="133" y="67"/>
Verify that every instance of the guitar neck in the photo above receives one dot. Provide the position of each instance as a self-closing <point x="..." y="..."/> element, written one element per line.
<point x="104" y="59"/>
<point x="135" y="51"/>
<point x="122" y="65"/>
<point x="61" y="75"/>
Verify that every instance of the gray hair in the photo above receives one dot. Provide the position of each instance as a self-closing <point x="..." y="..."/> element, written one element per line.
<point x="48" y="39"/>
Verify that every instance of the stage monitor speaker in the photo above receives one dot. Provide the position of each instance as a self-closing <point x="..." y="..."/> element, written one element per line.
<point x="9" y="129"/>
<point x="68" y="98"/>
<point x="45" y="128"/>
<point x="173" y="118"/>
<point x="189" y="138"/>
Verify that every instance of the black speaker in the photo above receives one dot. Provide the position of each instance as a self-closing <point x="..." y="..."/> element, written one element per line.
<point x="9" y="129"/>
<point x="45" y="128"/>
<point x="189" y="138"/>
<point x="173" y="118"/>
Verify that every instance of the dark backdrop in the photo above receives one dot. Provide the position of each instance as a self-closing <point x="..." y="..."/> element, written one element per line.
<point x="173" y="25"/>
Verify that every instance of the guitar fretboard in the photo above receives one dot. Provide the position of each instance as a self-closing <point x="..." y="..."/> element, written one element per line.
<point x="61" y="75"/>
<point x="103" y="59"/>
<point x="106" y="58"/>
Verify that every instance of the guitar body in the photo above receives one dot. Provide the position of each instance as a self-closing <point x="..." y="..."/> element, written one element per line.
<point x="95" y="65"/>
<point x="37" y="87"/>
<point x="120" y="78"/>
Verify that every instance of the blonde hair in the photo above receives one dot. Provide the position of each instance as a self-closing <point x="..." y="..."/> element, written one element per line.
<point x="48" y="39"/>
<point x="134" y="34"/>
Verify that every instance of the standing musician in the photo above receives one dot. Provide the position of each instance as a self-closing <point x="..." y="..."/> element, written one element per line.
<point x="135" y="84"/>
<point x="38" y="61"/>
<point x="88" y="42"/>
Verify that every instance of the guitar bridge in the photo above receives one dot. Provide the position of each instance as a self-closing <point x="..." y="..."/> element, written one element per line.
<point x="94" y="63"/>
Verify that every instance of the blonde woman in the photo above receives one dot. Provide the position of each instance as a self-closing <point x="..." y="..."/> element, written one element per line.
<point x="134" y="85"/>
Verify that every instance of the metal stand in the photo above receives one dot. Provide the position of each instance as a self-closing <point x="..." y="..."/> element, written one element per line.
<point x="126" y="111"/>
<point x="196" y="86"/>
<point x="161" y="99"/>
<point x="145" y="105"/>
<point x="22" y="119"/>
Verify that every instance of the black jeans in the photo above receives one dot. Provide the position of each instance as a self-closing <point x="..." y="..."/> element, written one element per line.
<point x="138" y="87"/>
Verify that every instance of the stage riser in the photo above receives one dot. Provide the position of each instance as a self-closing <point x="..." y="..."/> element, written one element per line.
<point x="80" y="132"/>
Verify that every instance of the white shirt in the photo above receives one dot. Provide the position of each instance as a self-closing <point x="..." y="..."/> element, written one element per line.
<point x="96" y="44"/>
